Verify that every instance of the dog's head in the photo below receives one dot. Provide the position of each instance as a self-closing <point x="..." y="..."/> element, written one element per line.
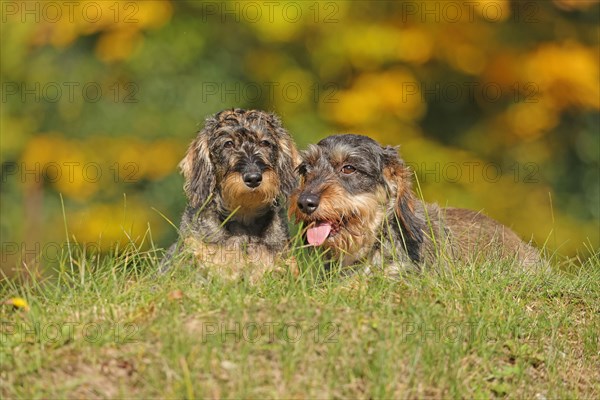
<point x="349" y="187"/>
<point x="243" y="159"/>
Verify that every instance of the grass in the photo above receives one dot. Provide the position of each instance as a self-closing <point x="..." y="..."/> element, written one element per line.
<point x="112" y="327"/>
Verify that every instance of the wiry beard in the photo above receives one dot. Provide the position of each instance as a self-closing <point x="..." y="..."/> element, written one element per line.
<point x="248" y="203"/>
<point x="355" y="220"/>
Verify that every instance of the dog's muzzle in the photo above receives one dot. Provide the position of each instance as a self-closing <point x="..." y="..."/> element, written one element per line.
<point x="308" y="203"/>
<point x="252" y="175"/>
<point x="252" y="179"/>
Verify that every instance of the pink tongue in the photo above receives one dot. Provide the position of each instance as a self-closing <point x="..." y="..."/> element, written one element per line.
<point x="318" y="234"/>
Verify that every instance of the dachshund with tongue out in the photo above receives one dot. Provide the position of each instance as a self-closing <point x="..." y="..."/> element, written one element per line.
<point x="356" y="201"/>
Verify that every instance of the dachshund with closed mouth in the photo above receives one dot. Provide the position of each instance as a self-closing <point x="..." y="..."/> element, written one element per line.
<point x="355" y="199"/>
<point x="238" y="172"/>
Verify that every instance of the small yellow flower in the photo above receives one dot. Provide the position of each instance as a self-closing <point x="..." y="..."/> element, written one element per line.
<point x="18" y="303"/>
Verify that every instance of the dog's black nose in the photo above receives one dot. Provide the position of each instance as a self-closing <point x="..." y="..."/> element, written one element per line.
<point x="252" y="179"/>
<point x="308" y="203"/>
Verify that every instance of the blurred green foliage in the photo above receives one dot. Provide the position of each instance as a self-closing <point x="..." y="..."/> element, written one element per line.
<point x="494" y="103"/>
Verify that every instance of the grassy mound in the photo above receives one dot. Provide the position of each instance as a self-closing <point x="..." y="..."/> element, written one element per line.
<point x="113" y="327"/>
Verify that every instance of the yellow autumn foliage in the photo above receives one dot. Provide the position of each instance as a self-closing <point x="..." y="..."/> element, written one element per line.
<point x="384" y="69"/>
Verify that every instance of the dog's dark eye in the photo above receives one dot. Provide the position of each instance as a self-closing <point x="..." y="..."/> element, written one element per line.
<point x="302" y="169"/>
<point x="228" y="144"/>
<point x="348" y="169"/>
<point x="265" y="143"/>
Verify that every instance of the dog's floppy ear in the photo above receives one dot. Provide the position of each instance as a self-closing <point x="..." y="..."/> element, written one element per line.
<point x="398" y="180"/>
<point x="288" y="158"/>
<point x="198" y="171"/>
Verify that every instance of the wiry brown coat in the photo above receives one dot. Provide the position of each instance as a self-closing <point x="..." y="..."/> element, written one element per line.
<point x="363" y="193"/>
<point x="238" y="173"/>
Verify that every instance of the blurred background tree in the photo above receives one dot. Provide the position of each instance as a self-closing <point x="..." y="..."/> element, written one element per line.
<point x="495" y="105"/>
